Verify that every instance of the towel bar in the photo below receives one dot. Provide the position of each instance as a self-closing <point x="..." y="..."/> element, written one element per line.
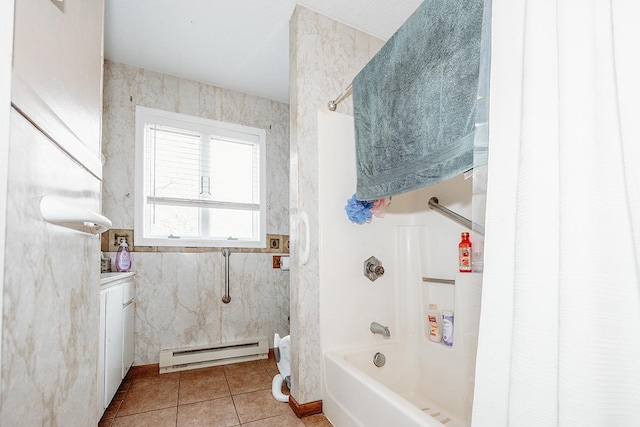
<point x="433" y="204"/>
<point x="66" y="214"/>
<point x="332" y="105"/>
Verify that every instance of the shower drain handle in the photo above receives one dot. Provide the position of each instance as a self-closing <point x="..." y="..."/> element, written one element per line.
<point x="379" y="359"/>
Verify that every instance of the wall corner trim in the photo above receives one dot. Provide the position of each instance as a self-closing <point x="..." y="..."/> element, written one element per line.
<point x="305" y="409"/>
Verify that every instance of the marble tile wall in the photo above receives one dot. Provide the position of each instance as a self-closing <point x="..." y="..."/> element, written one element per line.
<point x="325" y="55"/>
<point x="179" y="294"/>
<point x="51" y="297"/>
<point x="126" y="86"/>
<point x="178" y="300"/>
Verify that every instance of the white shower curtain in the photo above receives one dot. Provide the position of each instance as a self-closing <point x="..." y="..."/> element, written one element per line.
<point x="559" y="337"/>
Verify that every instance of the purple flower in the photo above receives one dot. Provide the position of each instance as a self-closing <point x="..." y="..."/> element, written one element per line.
<point x="358" y="211"/>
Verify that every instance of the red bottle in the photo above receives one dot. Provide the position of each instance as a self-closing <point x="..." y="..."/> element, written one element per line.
<point x="464" y="254"/>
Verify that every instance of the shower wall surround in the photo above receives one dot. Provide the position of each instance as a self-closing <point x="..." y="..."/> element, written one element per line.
<point x="324" y="55"/>
<point x="179" y="294"/>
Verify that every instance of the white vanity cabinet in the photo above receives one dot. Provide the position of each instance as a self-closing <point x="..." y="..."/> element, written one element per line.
<point x="112" y="341"/>
<point x="117" y="304"/>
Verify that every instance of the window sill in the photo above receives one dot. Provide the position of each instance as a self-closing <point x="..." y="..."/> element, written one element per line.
<point x="276" y="243"/>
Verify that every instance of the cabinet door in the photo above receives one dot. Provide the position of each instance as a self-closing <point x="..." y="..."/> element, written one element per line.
<point x="113" y="342"/>
<point x="128" y="351"/>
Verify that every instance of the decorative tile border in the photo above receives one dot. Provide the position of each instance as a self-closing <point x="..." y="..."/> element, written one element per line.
<point x="110" y="241"/>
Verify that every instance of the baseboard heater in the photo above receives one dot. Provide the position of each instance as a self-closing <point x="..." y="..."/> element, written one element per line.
<point x="182" y="359"/>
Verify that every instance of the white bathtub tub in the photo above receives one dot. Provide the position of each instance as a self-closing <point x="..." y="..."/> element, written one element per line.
<point x="357" y="393"/>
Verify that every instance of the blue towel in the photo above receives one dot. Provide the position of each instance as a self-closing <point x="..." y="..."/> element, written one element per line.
<point x="414" y="102"/>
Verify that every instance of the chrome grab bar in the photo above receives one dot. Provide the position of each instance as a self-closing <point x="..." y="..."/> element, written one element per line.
<point x="433" y="204"/>
<point x="332" y="105"/>
<point x="436" y="280"/>
<point x="226" y="253"/>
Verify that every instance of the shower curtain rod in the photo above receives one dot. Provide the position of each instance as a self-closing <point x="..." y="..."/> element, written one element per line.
<point x="332" y="105"/>
<point x="434" y="204"/>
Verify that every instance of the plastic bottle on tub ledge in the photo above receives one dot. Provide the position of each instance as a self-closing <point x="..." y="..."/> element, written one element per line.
<point x="464" y="254"/>
<point x="447" y="327"/>
<point x="434" y="323"/>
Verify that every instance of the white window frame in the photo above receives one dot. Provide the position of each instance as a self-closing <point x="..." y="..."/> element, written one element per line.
<point x="257" y="136"/>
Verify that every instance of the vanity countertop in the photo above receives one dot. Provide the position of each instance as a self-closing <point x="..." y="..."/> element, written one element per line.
<point x="106" y="278"/>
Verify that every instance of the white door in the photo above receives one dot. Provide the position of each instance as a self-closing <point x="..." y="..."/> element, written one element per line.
<point x="128" y="352"/>
<point x="57" y="71"/>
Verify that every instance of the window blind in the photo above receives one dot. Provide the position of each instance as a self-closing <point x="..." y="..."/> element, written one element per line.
<point x="201" y="181"/>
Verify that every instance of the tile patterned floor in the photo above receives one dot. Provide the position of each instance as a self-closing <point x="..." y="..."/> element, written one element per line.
<point x="220" y="396"/>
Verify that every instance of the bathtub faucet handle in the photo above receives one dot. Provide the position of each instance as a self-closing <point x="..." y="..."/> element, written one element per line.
<point x="377" y="270"/>
<point x="377" y="328"/>
<point x="373" y="268"/>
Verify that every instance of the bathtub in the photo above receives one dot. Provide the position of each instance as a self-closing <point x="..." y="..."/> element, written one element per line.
<point x="357" y="393"/>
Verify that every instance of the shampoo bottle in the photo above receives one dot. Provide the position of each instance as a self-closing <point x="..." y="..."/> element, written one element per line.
<point x="447" y="328"/>
<point x="434" y="323"/>
<point x="123" y="257"/>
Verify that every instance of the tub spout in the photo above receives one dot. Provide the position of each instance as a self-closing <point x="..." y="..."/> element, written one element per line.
<point x="377" y="328"/>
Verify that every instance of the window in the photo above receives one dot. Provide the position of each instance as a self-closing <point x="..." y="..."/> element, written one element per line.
<point x="199" y="182"/>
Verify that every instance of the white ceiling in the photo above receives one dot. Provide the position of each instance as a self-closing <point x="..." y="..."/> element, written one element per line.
<point x="241" y="45"/>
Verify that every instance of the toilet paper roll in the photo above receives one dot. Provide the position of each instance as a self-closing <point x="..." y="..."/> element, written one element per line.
<point x="284" y="263"/>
